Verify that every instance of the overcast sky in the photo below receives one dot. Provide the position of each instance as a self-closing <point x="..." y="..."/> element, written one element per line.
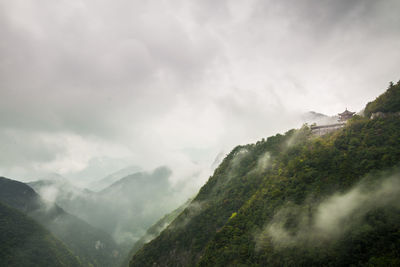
<point x="91" y="86"/>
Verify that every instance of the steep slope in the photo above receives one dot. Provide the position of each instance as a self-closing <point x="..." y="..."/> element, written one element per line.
<point x="295" y="199"/>
<point x="388" y="102"/>
<point x="183" y="242"/>
<point x="311" y="209"/>
<point x="155" y="230"/>
<point x="23" y="242"/>
<point x="93" y="246"/>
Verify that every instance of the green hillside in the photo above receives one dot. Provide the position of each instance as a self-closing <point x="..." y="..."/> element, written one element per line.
<point x="93" y="246"/>
<point x="296" y="200"/>
<point x="387" y="102"/>
<point x="154" y="231"/>
<point x="23" y="242"/>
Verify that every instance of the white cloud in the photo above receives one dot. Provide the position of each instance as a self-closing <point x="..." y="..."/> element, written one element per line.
<point x="150" y="83"/>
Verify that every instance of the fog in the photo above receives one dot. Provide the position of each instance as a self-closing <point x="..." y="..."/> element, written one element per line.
<point x="90" y="87"/>
<point x="330" y="219"/>
<point x="126" y="208"/>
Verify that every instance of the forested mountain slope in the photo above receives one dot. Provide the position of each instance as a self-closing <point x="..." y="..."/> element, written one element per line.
<point x="94" y="247"/>
<point x="154" y="231"/>
<point x="388" y="102"/>
<point x="296" y="200"/>
<point x="23" y="242"/>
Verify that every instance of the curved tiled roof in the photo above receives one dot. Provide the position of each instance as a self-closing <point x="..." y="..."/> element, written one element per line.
<point x="346" y="113"/>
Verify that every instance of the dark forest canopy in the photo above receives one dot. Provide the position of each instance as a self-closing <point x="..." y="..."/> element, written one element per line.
<point x="93" y="246"/>
<point x="25" y="243"/>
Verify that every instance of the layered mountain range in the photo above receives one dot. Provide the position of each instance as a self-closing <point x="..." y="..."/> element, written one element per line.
<point x="124" y="209"/>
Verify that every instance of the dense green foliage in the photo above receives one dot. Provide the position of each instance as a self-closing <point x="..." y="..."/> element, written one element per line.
<point x="23" y="242"/>
<point x="300" y="179"/>
<point x="93" y="246"/>
<point x="278" y="187"/>
<point x="387" y="102"/>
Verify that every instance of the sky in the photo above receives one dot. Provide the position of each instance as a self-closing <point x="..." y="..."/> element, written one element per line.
<point x="88" y="87"/>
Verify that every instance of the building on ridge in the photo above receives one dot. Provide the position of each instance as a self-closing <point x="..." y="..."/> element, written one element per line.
<point x="324" y="129"/>
<point x="344" y="116"/>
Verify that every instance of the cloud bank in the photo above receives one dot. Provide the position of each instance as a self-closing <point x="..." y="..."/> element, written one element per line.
<point x="89" y="87"/>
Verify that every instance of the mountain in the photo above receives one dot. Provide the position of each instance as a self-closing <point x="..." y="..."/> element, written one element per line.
<point x="23" y="242"/>
<point x="112" y="178"/>
<point x="125" y="209"/>
<point x="296" y="200"/>
<point x="138" y="200"/>
<point x="388" y="102"/>
<point x="52" y="176"/>
<point x="218" y="159"/>
<point x="94" y="247"/>
<point x="155" y="230"/>
<point x="54" y="190"/>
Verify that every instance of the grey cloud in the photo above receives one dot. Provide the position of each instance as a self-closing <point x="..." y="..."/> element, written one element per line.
<point x="323" y="17"/>
<point x="19" y="149"/>
<point x="157" y="78"/>
<point x="72" y="68"/>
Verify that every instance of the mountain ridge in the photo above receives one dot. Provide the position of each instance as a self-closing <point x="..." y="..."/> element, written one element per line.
<point x="77" y="234"/>
<point x="124" y="209"/>
<point x="278" y="186"/>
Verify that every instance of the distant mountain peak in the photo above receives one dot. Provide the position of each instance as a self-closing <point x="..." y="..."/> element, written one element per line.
<point x="311" y="117"/>
<point x="113" y="177"/>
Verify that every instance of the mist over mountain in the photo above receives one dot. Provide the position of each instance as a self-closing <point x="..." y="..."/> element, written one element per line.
<point x="297" y="199"/>
<point x="99" y="185"/>
<point x="154" y="231"/>
<point x="312" y="117"/>
<point x="124" y="209"/>
<point x="83" y="97"/>
<point x="114" y="113"/>
<point x="25" y="243"/>
<point x="90" y="244"/>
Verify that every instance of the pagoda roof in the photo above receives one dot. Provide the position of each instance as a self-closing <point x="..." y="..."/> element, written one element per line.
<point x="346" y="113"/>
